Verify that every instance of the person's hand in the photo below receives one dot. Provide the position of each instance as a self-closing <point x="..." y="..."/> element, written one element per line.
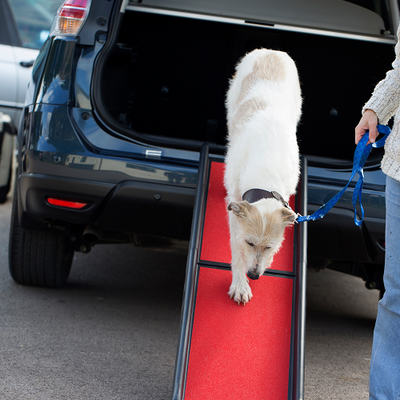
<point x="368" y="122"/>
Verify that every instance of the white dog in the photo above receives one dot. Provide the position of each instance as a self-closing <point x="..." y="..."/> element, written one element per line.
<point x="262" y="162"/>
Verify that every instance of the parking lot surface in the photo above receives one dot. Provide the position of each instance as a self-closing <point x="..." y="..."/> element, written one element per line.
<point x="112" y="332"/>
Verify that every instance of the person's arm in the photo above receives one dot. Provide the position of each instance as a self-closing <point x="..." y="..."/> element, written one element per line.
<point x="384" y="102"/>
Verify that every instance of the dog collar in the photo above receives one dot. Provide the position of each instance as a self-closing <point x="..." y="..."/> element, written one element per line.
<point x="254" y="195"/>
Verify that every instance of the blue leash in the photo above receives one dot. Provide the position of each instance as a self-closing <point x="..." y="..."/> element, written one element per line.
<point x="360" y="156"/>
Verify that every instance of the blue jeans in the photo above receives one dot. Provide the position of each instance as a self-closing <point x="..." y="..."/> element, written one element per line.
<point x="384" y="379"/>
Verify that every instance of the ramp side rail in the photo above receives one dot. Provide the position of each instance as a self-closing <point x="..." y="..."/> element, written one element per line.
<point x="189" y="292"/>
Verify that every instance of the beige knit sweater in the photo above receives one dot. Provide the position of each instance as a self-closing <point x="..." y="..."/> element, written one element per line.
<point x="385" y="101"/>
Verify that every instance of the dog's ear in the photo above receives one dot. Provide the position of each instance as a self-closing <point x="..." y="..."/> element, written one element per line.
<point x="240" y="209"/>
<point x="288" y="215"/>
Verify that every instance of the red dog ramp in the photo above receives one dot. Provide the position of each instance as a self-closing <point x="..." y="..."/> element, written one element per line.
<point x="234" y="352"/>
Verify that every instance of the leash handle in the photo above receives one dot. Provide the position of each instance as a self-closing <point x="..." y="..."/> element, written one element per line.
<point x="360" y="156"/>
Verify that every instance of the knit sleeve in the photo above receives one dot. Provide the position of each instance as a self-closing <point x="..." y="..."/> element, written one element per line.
<point x="385" y="99"/>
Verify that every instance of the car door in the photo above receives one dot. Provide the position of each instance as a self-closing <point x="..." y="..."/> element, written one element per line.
<point x="15" y="72"/>
<point x="8" y="79"/>
<point x="8" y="74"/>
<point x="24" y="59"/>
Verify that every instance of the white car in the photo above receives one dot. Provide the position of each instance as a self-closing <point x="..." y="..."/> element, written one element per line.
<point x="24" y="26"/>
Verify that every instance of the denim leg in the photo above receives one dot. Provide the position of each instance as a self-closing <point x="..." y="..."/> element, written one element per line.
<point x="384" y="380"/>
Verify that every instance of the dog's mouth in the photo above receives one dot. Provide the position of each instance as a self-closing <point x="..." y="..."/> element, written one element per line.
<point x="253" y="275"/>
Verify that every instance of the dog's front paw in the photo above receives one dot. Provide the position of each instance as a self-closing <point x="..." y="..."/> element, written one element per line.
<point x="241" y="293"/>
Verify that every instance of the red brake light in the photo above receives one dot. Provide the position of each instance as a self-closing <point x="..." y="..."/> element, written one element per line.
<point x="76" y="13"/>
<point x="66" y="203"/>
<point x="70" y="17"/>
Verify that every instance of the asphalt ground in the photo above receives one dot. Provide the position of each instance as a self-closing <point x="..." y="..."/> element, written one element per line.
<point x="112" y="332"/>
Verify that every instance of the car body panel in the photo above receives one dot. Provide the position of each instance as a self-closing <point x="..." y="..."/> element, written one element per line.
<point x="8" y="77"/>
<point x="24" y="59"/>
<point x="7" y="136"/>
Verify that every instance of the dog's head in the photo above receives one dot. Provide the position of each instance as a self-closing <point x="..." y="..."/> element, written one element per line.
<point x="260" y="234"/>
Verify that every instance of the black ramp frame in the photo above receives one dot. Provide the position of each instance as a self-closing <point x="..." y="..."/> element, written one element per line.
<point x="296" y="373"/>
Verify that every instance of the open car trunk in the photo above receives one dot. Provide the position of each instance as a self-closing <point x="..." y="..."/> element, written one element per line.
<point x="166" y="77"/>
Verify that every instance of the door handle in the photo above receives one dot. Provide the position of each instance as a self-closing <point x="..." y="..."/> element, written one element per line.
<point x="26" y="64"/>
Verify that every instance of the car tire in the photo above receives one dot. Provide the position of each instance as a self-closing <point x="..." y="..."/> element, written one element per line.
<point x="38" y="258"/>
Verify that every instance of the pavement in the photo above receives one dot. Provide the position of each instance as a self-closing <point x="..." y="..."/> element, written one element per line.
<point x="112" y="332"/>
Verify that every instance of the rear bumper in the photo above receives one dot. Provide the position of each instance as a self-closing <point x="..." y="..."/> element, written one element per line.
<point x="149" y="208"/>
<point x="128" y="207"/>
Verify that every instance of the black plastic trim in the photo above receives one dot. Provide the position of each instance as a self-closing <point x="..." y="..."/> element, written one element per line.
<point x="97" y="22"/>
<point x="148" y="209"/>
<point x="34" y="189"/>
<point x="131" y="207"/>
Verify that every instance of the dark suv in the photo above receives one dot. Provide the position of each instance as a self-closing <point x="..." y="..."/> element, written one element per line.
<point x="124" y="93"/>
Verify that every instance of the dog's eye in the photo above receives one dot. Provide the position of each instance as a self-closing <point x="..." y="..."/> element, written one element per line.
<point x="249" y="243"/>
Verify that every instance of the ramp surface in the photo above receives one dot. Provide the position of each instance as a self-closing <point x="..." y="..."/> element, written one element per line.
<point x="235" y="352"/>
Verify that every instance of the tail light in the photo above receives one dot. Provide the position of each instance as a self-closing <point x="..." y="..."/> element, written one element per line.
<point x="75" y="205"/>
<point x="70" y="17"/>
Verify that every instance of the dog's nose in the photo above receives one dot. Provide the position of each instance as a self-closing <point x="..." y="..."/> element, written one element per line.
<point x="252" y="275"/>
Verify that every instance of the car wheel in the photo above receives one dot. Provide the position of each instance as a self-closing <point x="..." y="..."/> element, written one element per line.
<point x="38" y="258"/>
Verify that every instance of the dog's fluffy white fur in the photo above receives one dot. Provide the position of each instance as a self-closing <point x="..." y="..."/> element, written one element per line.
<point x="263" y="110"/>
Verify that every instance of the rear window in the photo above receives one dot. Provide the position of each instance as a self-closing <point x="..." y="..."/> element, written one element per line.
<point x="34" y="19"/>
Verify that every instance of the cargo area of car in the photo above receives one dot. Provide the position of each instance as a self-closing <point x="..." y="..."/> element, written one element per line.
<point x="166" y="78"/>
